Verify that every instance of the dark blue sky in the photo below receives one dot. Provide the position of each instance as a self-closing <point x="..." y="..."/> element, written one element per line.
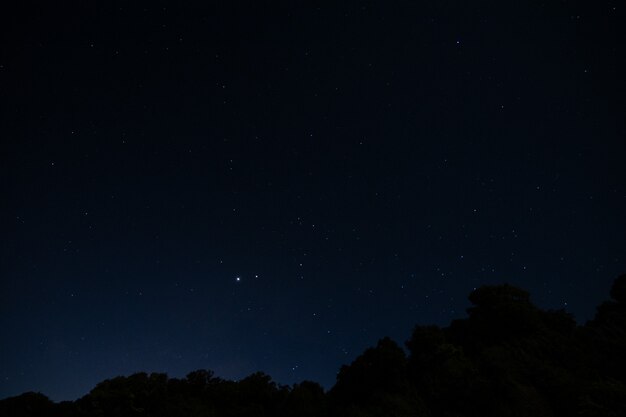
<point x="276" y="188"/>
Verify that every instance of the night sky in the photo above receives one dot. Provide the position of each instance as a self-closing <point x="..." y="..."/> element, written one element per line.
<point x="276" y="188"/>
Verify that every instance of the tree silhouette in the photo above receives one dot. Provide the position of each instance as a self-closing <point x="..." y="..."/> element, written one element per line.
<point x="306" y="399"/>
<point x="376" y="383"/>
<point x="606" y="333"/>
<point x="507" y="358"/>
<point x="29" y="404"/>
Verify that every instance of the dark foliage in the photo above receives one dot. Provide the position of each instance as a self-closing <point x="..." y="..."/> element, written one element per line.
<point x="508" y="358"/>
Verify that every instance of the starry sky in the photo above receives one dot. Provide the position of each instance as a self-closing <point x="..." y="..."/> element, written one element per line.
<point x="276" y="187"/>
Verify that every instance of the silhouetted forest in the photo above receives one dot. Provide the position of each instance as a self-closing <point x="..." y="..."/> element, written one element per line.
<point x="507" y="358"/>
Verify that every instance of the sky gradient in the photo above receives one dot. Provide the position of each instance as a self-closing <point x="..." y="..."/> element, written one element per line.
<point x="276" y="188"/>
